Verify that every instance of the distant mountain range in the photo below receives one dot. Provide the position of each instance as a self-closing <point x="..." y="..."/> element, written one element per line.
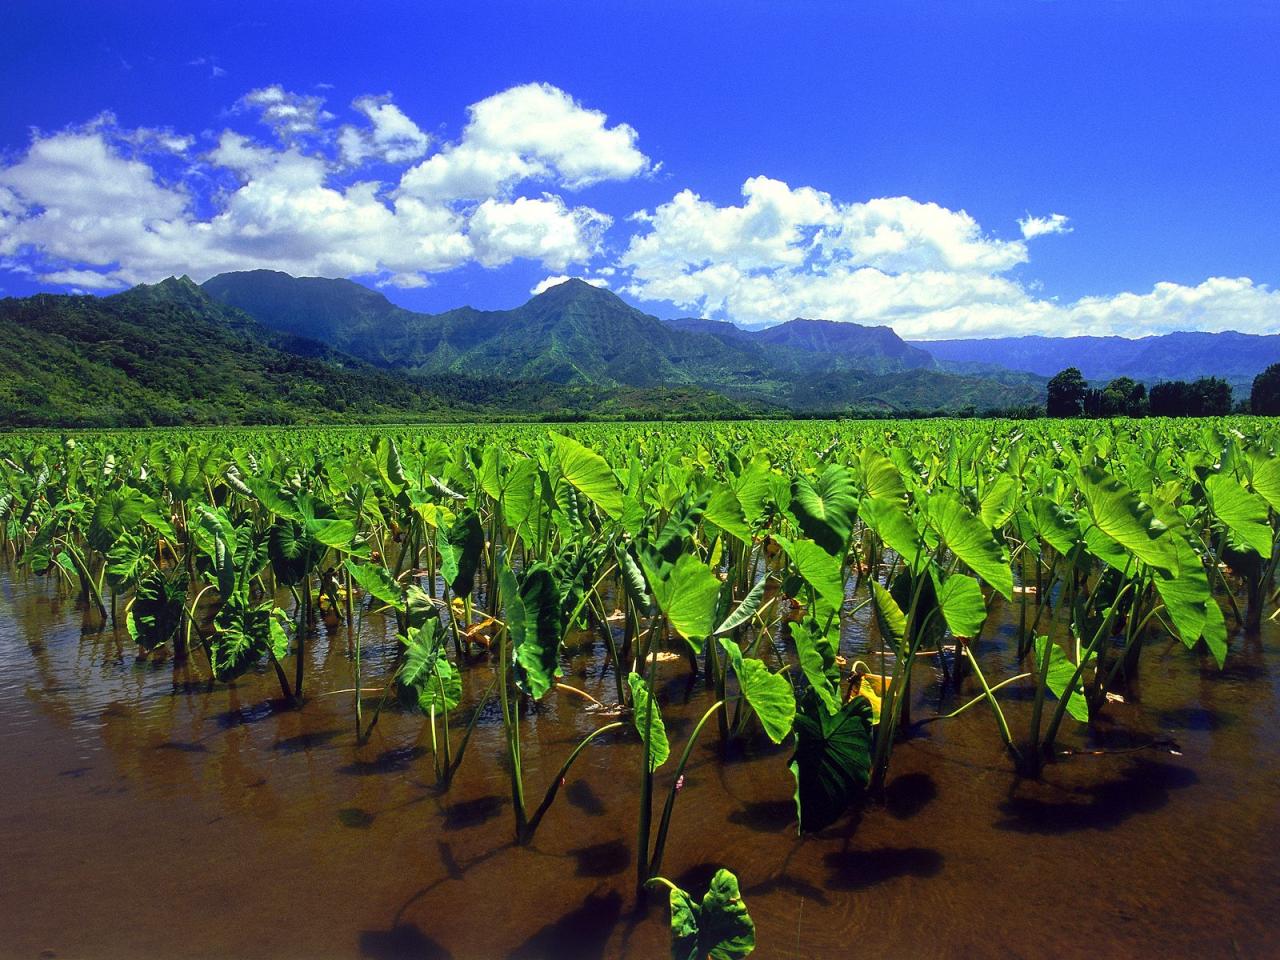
<point x="1236" y="357"/>
<point x="262" y="346"/>
<point x="168" y="354"/>
<point x="575" y="333"/>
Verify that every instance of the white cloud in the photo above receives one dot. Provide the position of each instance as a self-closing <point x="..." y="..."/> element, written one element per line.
<point x="99" y="206"/>
<point x="530" y="132"/>
<point x="85" y="279"/>
<point x="391" y="137"/>
<point x="290" y="115"/>
<point x="1040" y="226"/>
<point x="543" y="286"/>
<point x="542" y="230"/>
<point x="927" y="271"/>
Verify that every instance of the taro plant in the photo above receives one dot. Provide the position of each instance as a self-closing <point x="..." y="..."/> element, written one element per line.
<point x="719" y="927"/>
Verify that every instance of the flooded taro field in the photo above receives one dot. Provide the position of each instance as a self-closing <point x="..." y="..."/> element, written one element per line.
<point x="147" y="812"/>
<point x="1006" y="690"/>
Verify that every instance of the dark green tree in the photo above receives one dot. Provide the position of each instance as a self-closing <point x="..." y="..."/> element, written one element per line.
<point x="1122" y="397"/>
<point x="1066" y="393"/>
<point x="1264" y="399"/>
<point x="1171" y="399"/>
<point x="1206" y="397"/>
<point x="1211" y="397"/>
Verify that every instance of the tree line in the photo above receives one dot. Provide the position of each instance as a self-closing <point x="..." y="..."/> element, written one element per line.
<point x="1069" y="395"/>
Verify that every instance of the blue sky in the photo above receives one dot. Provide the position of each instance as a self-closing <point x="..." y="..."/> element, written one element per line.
<point x="950" y="169"/>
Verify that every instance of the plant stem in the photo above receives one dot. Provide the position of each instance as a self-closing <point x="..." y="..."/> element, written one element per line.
<point x="554" y="788"/>
<point x="655" y="863"/>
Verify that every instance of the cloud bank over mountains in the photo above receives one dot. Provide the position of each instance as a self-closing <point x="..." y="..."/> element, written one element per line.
<point x="374" y="194"/>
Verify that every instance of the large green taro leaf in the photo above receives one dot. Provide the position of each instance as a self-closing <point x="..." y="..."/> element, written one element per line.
<point x="832" y="759"/>
<point x="535" y="620"/>
<point x="717" y="929"/>
<point x="427" y="679"/>
<point x="768" y="693"/>
<point x="587" y="471"/>
<point x="648" y="721"/>
<point x="826" y="508"/>
<point x="460" y="551"/>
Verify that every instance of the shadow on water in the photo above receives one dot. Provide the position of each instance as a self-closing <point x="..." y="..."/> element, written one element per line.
<point x="355" y="817"/>
<point x="786" y="883"/>
<point x="1143" y="788"/>
<point x="908" y="794"/>
<point x="472" y="813"/>
<point x="860" y="869"/>
<point x="182" y="747"/>
<point x="580" y="795"/>
<point x="602" y="859"/>
<point x="251" y="713"/>
<point x="396" y="760"/>
<point x="1194" y="718"/>
<point x="581" y="934"/>
<point x="405" y="941"/>
<point x="765" y="816"/>
<point x="697" y="879"/>
<point x="307" y="741"/>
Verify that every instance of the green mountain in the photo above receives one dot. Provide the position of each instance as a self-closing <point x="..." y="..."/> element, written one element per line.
<point x="803" y="347"/>
<point x="575" y="333"/>
<point x="264" y="347"/>
<point x="170" y="354"/>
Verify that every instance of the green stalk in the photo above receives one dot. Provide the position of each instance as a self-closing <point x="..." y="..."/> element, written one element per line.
<point x="976" y="700"/>
<point x="1035" y="757"/>
<point x="655" y="863"/>
<point x="995" y="706"/>
<point x="466" y="737"/>
<point x="646" y="782"/>
<point x="554" y="788"/>
<point x="1134" y="634"/>
<point x="1061" y="709"/>
<point x="511" y="724"/>
<point x="299" y="664"/>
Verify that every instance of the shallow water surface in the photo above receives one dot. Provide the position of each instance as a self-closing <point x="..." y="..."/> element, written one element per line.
<point x="143" y="814"/>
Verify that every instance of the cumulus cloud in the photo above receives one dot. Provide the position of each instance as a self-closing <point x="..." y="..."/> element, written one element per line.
<point x="531" y="132"/>
<point x="99" y="206"/>
<point x="927" y="271"/>
<point x="290" y="115"/>
<point x="543" y="286"/>
<point x="1040" y="226"/>
<point x="391" y="136"/>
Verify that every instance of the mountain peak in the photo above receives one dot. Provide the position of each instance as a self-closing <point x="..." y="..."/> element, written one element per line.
<point x="575" y="288"/>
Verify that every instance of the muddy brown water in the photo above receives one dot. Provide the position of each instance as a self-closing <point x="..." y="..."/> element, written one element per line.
<point x="144" y="815"/>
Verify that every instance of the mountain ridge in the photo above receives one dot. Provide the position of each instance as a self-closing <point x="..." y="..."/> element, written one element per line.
<point x="168" y="354"/>
<point x="1180" y="355"/>
<point x="577" y="333"/>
